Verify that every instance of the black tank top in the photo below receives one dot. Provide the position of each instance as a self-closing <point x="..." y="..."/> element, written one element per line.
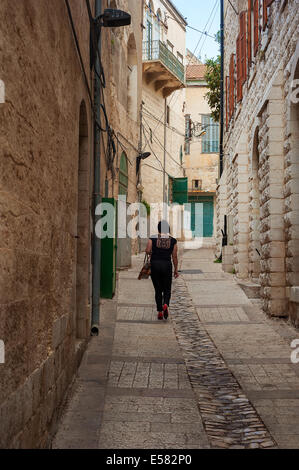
<point x="162" y="248"/>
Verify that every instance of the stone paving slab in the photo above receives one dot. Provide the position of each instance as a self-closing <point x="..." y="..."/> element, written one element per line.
<point x="138" y="313"/>
<point x="222" y="314"/>
<point x="206" y="294"/>
<point x="152" y="423"/>
<point x="248" y="341"/>
<point x="144" y="340"/>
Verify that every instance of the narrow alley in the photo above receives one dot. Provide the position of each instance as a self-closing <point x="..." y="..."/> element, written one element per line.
<point x="217" y="375"/>
<point x="154" y="140"/>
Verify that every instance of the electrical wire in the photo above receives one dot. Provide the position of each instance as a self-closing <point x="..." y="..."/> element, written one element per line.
<point x="160" y="121"/>
<point x="233" y="7"/>
<point x="163" y="148"/>
<point x="148" y="143"/>
<point x="150" y="115"/>
<point x="210" y="20"/>
<point x="194" y="29"/>
<point x="154" y="154"/>
<point x="78" y="50"/>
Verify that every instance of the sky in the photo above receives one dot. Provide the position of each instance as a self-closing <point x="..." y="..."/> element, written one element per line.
<point x="198" y="14"/>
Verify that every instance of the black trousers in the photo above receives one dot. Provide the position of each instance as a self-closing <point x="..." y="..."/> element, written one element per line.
<point x="161" y="274"/>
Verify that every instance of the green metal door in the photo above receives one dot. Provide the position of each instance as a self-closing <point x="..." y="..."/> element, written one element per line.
<point x="208" y="216"/>
<point x="180" y="190"/>
<point x="202" y="216"/>
<point x="108" y="260"/>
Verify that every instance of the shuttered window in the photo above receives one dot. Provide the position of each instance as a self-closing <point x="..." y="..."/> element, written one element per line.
<point x="210" y="141"/>
<point x="239" y="70"/>
<point x="231" y="86"/>
<point x="243" y="47"/>
<point x="249" y="32"/>
<point x="256" y="11"/>
<point x="266" y="4"/>
<point x="226" y="101"/>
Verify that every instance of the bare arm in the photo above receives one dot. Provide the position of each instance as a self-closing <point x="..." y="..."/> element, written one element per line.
<point x="175" y="261"/>
<point x="149" y="247"/>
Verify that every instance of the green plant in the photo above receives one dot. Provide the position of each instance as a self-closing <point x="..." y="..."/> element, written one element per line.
<point x="213" y="79"/>
<point x="218" y="261"/>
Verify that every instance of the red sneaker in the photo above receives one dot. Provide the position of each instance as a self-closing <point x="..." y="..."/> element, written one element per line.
<point x="165" y="310"/>
<point x="160" y="316"/>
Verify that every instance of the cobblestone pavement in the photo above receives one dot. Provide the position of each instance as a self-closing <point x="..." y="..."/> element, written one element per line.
<point x="217" y="375"/>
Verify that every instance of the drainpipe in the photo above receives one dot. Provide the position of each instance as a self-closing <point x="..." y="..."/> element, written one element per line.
<point x="221" y="85"/>
<point x="164" y="161"/>
<point x="96" y="248"/>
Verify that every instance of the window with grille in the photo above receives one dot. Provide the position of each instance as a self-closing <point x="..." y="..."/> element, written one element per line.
<point x="210" y="141"/>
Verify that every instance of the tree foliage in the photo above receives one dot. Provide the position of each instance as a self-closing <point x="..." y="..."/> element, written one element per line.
<point x="213" y="79"/>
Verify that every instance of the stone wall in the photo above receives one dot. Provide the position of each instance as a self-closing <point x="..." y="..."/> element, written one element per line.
<point x="199" y="165"/>
<point x="261" y="159"/>
<point x="154" y="116"/>
<point x="46" y="184"/>
<point x="122" y="61"/>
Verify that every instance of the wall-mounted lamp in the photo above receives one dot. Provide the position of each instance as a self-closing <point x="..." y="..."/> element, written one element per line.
<point x="114" y="18"/>
<point x="142" y="156"/>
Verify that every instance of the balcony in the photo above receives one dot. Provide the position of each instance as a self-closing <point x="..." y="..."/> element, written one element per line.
<point x="161" y="67"/>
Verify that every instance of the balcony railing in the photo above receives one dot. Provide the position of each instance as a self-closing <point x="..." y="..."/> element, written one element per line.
<point x="158" y="51"/>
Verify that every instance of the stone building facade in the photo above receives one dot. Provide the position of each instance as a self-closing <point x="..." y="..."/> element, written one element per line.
<point x="258" y="190"/>
<point x="202" y="148"/>
<point x="46" y="198"/>
<point x="123" y="69"/>
<point x="163" y="95"/>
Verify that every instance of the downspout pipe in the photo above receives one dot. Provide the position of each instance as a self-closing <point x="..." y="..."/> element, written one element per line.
<point x="221" y="85"/>
<point x="97" y="199"/>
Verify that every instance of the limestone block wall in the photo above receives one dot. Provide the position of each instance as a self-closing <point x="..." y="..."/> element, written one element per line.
<point x="267" y="119"/>
<point x="46" y="162"/>
<point x="122" y="62"/>
<point x="153" y="141"/>
<point x="291" y="180"/>
<point x="271" y="176"/>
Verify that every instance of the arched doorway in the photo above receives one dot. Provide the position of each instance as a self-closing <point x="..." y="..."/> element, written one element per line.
<point x="83" y="231"/>
<point x="123" y="175"/>
<point x="132" y="79"/>
<point x="255" y="203"/>
<point x="124" y="245"/>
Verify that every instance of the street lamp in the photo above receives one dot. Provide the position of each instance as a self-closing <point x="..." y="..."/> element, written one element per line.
<point x="114" y="18"/>
<point x="141" y="156"/>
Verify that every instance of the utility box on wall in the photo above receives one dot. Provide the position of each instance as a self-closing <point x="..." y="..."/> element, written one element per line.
<point x="108" y="259"/>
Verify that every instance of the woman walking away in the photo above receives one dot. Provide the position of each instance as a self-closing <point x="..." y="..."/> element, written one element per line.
<point x="161" y="248"/>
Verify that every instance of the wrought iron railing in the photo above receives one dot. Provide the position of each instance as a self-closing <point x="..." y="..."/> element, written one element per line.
<point x="157" y="50"/>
